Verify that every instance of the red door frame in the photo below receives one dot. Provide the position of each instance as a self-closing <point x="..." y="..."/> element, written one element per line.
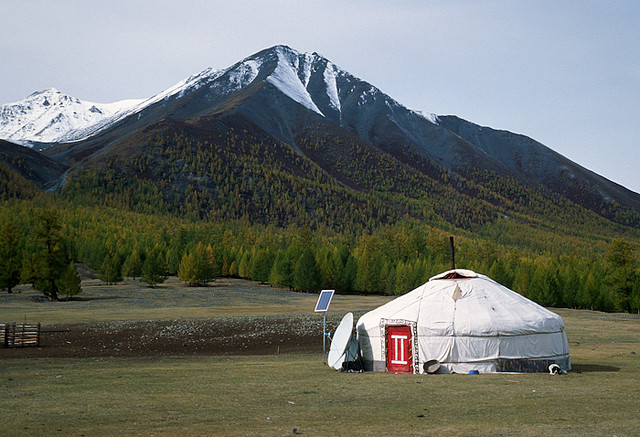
<point x="399" y="342"/>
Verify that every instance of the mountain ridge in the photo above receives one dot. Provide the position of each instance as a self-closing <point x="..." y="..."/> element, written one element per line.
<point x="280" y="91"/>
<point x="51" y="116"/>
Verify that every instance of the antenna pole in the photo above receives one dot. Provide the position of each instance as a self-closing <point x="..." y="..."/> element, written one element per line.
<point x="453" y="254"/>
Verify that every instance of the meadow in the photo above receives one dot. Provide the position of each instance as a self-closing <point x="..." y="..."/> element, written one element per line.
<point x="287" y="393"/>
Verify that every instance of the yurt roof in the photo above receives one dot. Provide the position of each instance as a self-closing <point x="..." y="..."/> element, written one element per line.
<point x="463" y="302"/>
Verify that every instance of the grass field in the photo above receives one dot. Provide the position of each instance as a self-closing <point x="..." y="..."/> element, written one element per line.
<point x="271" y="395"/>
<point x="133" y="300"/>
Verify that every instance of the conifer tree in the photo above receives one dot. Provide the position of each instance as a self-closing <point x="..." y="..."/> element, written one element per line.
<point x="244" y="266"/>
<point x="29" y="268"/>
<point x="282" y="271"/>
<point x="622" y="273"/>
<point x="635" y="297"/>
<point x="403" y="279"/>
<point x="337" y="260"/>
<point x="262" y="262"/>
<point x="387" y="278"/>
<point x="369" y="266"/>
<point x="154" y="269"/>
<point x="110" y="270"/>
<point x="233" y="269"/>
<point x="225" y="265"/>
<point x="589" y="292"/>
<point x="132" y="266"/>
<point x="327" y="265"/>
<point x="198" y="267"/>
<point x="499" y="273"/>
<point x="9" y="256"/>
<point x="521" y="280"/>
<point x="538" y="284"/>
<point x="421" y="272"/>
<point x="306" y="275"/>
<point x="187" y="270"/>
<point x="348" y="276"/>
<point x="204" y="269"/>
<point x="50" y="253"/>
<point x="215" y="262"/>
<point x="70" y="283"/>
<point x="571" y="291"/>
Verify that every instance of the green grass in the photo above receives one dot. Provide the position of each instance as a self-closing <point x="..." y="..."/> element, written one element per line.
<point x="270" y="395"/>
<point x="133" y="300"/>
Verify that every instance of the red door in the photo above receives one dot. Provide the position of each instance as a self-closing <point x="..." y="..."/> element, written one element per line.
<point x="399" y="350"/>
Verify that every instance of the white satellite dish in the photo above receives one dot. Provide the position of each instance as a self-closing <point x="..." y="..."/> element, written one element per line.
<point x="341" y="343"/>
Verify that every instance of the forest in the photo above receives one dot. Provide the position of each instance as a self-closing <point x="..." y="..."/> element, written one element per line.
<point x="41" y="237"/>
<point x="353" y="219"/>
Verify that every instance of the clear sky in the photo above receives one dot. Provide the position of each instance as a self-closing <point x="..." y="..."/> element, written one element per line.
<point x="566" y="73"/>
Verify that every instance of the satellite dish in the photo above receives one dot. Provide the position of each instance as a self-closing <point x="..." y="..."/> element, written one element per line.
<point x="341" y="342"/>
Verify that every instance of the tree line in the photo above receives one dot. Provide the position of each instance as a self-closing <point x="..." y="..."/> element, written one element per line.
<point x="39" y="245"/>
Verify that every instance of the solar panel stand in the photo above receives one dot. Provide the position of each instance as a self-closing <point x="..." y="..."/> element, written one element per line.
<point x="324" y="300"/>
<point x="324" y="337"/>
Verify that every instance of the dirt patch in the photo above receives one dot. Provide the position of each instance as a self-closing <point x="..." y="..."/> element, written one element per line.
<point x="228" y="317"/>
<point x="262" y="335"/>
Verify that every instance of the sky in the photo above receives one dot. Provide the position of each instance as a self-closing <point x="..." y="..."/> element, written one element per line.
<point x="566" y="73"/>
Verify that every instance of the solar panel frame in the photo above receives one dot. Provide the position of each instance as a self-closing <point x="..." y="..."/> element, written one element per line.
<point x="324" y="300"/>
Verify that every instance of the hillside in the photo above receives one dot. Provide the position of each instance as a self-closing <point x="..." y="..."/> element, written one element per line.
<point x="292" y="99"/>
<point x="25" y="172"/>
<point x="538" y="164"/>
<point x="14" y="186"/>
<point x="33" y="166"/>
<point x="223" y="168"/>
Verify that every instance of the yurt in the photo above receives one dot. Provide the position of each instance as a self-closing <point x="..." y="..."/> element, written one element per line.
<point x="460" y="322"/>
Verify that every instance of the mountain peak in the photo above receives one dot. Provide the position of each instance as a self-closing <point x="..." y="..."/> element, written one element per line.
<point x="44" y="92"/>
<point x="279" y="48"/>
<point x="53" y="116"/>
<point x="48" y="95"/>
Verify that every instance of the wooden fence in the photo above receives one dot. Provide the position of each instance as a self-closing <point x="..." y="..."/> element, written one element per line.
<point x="19" y="334"/>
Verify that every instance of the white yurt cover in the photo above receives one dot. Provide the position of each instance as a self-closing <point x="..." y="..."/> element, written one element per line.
<point x="467" y="323"/>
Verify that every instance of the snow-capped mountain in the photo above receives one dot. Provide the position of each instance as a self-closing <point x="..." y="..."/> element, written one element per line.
<point x="273" y="85"/>
<point x="307" y="78"/>
<point x="293" y="97"/>
<point x="51" y="116"/>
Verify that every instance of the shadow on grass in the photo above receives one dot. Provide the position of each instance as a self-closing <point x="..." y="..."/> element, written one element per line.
<point x="64" y="298"/>
<point x="585" y="368"/>
<point x="88" y="299"/>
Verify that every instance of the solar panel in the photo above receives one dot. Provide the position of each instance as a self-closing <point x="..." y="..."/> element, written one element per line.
<point x="324" y="300"/>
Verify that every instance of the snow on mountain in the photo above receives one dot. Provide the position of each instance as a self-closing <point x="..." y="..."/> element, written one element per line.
<point x="332" y="87"/>
<point x="308" y="78"/>
<point x="52" y="116"/>
<point x="287" y="79"/>
<point x="430" y="116"/>
<point x="178" y="90"/>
